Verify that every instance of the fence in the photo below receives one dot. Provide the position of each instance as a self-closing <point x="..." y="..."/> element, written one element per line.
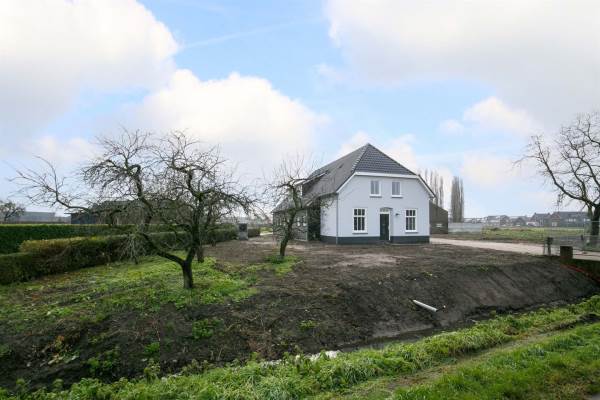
<point x="464" y="227"/>
<point x="579" y="238"/>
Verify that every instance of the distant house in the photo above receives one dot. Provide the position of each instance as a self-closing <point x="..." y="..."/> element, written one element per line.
<point x="569" y="219"/>
<point x="438" y="219"/>
<point x="540" y="219"/>
<point x="519" y="221"/>
<point x="497" y="220"/>
<point x="363" y="197"/>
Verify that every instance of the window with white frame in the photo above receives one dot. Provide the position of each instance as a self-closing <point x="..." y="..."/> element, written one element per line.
<point x="360" y="220"/>
<point x="411" y="220"/>
<point x="396" y="189"/>
<point x="303" y="219"/>
<point x="375" y="188"/>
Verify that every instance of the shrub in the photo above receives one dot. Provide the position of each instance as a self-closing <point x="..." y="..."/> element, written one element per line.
<point x="14" y="267"/>
<point x="11" y="236"/>
<point x="223" y="234"/>
<point x="44" y="257"/>
<point x="253" y="232"/>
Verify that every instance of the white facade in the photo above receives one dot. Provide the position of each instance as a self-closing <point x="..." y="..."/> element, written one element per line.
<point x="408" y="209"/>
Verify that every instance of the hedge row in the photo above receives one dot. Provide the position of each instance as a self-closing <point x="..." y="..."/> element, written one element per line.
<point x="11" y="236"/>
<point x="45" y="257"/>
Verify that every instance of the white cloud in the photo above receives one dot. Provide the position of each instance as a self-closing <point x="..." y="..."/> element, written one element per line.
<point x="401" y="150"/>
<point x="253" y="123"/>
<point x="537" y="55"/>
<point x="488" y="171"/>
<point x="492" y="114"/>
<point x="451" y="127"/>
<point x="63" y="152"/>
<point x="357" y="140"/>
<point x="52" y="50"/>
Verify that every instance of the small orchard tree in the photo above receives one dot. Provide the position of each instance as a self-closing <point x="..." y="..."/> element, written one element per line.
<point x="286" y="192"/>
<point x="9" y="210"/>
<point x="168" y="181"/>
<point x="571" y="163"/>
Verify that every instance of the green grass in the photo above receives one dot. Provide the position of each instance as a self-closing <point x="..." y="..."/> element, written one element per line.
<point x="299" y="377"/>
<point x="275" y="264"/>
<point x="518" y="234"/>
<point x="565" y="366"/>
<point x="92" y="294"/>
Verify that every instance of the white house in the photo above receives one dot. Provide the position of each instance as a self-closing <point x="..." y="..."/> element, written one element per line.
<point x="364" y="197"/>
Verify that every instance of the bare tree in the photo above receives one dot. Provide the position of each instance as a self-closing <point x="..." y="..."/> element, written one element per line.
<point x="172" y="181"/>
<point x="286" y="191"/>
<point x="457" y="200"/>
<point x="9" y="210"/>
<point x="436" y="183"/>
<point x="571" y="162"/>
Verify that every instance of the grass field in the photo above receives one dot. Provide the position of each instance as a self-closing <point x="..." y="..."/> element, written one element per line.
<point x="517" y="234"/>
<point x="544" y="354"/>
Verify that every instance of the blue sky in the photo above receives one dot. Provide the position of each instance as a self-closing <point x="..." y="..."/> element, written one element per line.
<point x="456" y="86"/>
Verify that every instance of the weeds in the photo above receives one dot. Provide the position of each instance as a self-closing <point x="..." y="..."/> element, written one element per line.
<point x="90" y="295"/>
<point x="298" y="377"/>
<point x="205" y="328"/>
<point x="308" y="325"/>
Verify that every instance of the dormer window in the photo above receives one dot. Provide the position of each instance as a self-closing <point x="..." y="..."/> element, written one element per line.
<point x="375" y="190"/>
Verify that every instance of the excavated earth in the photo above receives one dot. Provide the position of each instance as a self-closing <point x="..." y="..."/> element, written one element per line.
<point x="336" y="297"/>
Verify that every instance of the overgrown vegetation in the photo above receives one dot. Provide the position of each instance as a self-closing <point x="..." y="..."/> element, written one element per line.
<point x="299" y="377"/>
<point x="95" y="293"/>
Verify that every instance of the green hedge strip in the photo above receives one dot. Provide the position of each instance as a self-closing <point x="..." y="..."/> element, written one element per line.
<point x="44" y="257"/>
<point x="11" y="236"/>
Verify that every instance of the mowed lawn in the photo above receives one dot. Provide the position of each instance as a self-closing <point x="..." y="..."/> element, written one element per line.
<point x="516" y="234"/>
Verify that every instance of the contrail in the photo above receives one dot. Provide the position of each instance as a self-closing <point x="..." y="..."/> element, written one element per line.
<point x="251" y="32"/>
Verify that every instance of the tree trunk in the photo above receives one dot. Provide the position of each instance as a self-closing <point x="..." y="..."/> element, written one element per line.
<point x="200" y="254"/>
<point x="283" y="245"/>
<point x="595" y="228"/>
<point x="188" y="279"/>
<point x="287" y="234"/>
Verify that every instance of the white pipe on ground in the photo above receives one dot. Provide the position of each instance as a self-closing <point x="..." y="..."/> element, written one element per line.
<point x="425" y="306"/>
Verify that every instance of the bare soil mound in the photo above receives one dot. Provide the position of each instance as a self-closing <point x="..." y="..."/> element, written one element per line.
<point x="335" y="297"/>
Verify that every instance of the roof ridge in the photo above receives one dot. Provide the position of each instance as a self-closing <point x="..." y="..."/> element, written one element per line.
<point x="361" y="155"/>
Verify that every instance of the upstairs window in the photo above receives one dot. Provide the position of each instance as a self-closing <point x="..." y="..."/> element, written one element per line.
<point x="411" y="220"/>
<point x="375" y="188"/>
<point x="396" y="190"/>
<point x="360" y="220"/>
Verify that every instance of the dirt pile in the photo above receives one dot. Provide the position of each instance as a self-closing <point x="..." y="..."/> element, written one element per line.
<point x="336" y="297"/>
